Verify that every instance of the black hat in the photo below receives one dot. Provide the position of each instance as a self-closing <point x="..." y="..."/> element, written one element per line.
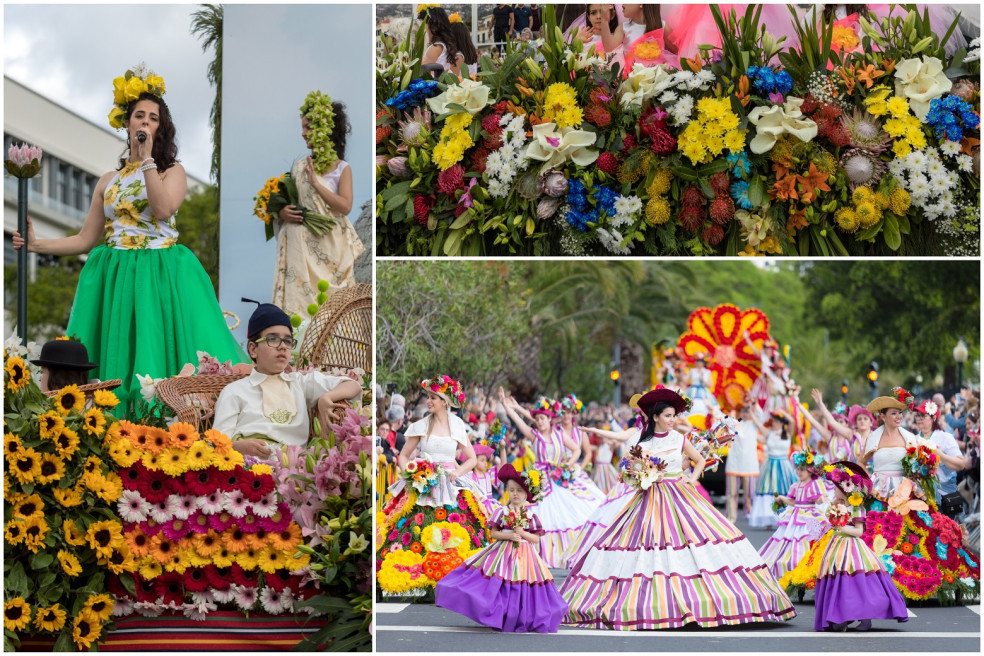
<point x="66" y="354"/>
<point x="264" y="316"/>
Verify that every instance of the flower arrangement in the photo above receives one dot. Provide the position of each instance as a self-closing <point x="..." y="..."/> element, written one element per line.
<point x="516" y="519"/>
<point x="534" y="481"/>
<point x="919" y="464"/>
<point x="444" y="385"/>
<point x="281" y="193"/>
<point x="494" y="435"/>
<point x="61" y="537"/>
<point x="562" y="475"/>
<point x="318" y="111"/>
<point x="262" y="199"/>
<point x="422" y="475"/>
<point x="128" y="88"/>
<point x="727" y="153"/>
<point x="903" y="396"/>
<point x="640" y="471"/>
<point x="839" y="515"/>
<point x="713" y="443"/>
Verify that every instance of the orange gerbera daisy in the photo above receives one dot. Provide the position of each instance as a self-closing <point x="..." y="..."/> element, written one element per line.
<point x="158" y="439"/>
<point x="182" y="435"/>
<point x="235" y="540"/>
<point x="220" y="441"/>
<point x="207" y="544"/>
<point x="287" y="539"/>
<point x="138" y="542"/>
<point x="161" y="549"/>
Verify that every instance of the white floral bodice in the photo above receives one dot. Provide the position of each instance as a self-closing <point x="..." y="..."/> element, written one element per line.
<point x="130" y="223"/>
<point x="439" y="448"/>
<point x="669" y="449"/>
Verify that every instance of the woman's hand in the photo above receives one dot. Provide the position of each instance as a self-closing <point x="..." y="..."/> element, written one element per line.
<point x="453" y="476"/>
<point x="817" y="396"/>
<point x="585" y="34"/>
<point x="18" y="240"/>
<point x="291" y="214"/>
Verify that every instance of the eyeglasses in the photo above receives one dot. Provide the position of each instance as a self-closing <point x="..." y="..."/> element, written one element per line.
<point x="274" y="341"/>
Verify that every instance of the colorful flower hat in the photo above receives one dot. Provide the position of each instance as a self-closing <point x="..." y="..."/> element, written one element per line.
<point x="928" y="408"/>
<point x="482" y="450"/>
<point x="809" y="460"/>
<point x="549" y="407"/>
<point x="531" y="481"/>
<point x="900" y="400"/>
<point x="128" y="88"/>
<point x="848" y="477"/>
<point x="572" y="404"/>
<point x="659" y="393"/>
<point x="840" y="408"/>
<point x="856" y="411"/>
<point x="447" y="388"/>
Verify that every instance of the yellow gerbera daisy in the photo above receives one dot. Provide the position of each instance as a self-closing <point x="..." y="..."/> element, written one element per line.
<point x="50" y="423"/>
<point x="105" y="399"/>
<point x="150" y="568"/>
<point x="173" y="462"/>
<point x="87" y="629"/>
<point x="70" y="564"/>
<point x="52" y="469"/>
<point x="93" y="422"/>
<point x="223" y="557"/>
<point x="270" y="560"/>
<point x="855" y="499"/>
<point x="198" y="456"/>
<point x="247" y="558"/>
<point x="257" y="470"/>
<point x="69" y="399"/>
<point x="25" y="466"/>
<point x="16" y="614"/>
<point x="50" y="619"/>
<point x="151" y="461"/>
<point x="226" y="461"/>
<point x="19" y="374"/>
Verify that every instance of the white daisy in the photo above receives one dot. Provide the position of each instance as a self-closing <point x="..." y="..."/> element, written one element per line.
<point x="916" y="161"/>
<point x="897" y="168"/>
<point x="966" y="163"/>
<point x="935" y="167"/>
<point x="948" y="208"/>
<point x="668" y="97"/>
<point x="212" y="503"/>
<point x="938" y="185"/>
<point x="705" y="76"/>
<point x="950" y="148"/>
<point x="919" y="188"/>
<point x="133" y="507"/>
<point x="497" y="189"/>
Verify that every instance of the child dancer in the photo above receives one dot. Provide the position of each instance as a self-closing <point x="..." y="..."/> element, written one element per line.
<point x="852" y="583"/>
<point x="802" y="521"/>
<point x="484" y="475"/>
<point x="507" y="586"/>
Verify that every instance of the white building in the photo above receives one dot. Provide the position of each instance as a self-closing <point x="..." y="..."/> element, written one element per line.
<point x="76" y="152"/>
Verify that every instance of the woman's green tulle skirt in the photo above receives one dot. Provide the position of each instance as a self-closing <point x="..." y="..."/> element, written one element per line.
<point x="147" y="312"/>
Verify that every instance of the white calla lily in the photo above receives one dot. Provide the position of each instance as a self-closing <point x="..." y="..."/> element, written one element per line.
<point x="772" y="122"/>
<point x="472" y="95"/>
<point x="554" y="146"/>
<point x="920" y="81"/>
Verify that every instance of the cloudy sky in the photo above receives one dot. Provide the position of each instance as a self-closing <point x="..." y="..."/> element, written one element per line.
<point x="273" y="56"/>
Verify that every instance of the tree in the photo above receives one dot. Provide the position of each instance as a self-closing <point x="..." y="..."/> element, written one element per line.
<point x="49" y="297"/>
<point x="207" y="24"/>
<point x="198" y="219"/>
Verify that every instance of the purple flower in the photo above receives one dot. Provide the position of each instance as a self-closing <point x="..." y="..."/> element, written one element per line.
<point x="776" y="97"/>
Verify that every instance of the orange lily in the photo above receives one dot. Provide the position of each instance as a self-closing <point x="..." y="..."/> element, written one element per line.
<point x="868" y="74"/>
<point x="967" y="145"/>
<point x="785" y="189"/>
<point x="743" y="88"/>
<point x="848" y="77"/>
<point x="795" y="221"/>
<point x="888" y="65"/>
<point x="813" y="182"/>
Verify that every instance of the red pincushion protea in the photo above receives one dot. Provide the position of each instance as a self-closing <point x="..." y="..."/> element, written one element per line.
<point x="451" y="180"/>
<point x="491" y="123"/>
<point x="691" y="218"/>
<point x="722" y="210"/>
<point x="809" y="105"/>
<point x="719" y="183"/>
<point x="600" y="95"/>
<point x="597" y="115"/>
<point x="629" y="143"/>
<point x="479" y="157"/>
<point x="421" y="208"/>
<point x="713" y="234"/>
<point x="382" y="133"/>
<point x="692" y="198"/>
<point x="608" y="163"/>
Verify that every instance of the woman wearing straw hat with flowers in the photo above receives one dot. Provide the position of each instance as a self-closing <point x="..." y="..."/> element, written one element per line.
<point x="886" y="445"/>
<point x="670" y="558"/>
<point x="144" y="303"/>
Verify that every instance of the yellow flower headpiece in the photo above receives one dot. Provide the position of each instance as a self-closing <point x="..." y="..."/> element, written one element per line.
<point x="455" y="18"/>
<point x="422" y="7"/>
<point x="128" y="88"/>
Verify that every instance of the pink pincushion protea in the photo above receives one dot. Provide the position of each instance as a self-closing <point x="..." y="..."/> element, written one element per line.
<point x="864" y="131"/>
<point x="862" y="168"/>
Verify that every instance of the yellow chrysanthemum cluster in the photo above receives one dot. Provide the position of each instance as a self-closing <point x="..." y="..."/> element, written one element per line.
<point x="262" y="198"/>
<point x="902" y="126"/>
<point x="443" y="536"/>
<point x="128" y="88"/>
<point x="806" y="572"/>
<point x="454" y="141"/>
<point x="402" y="570"/>
<point x="560" y="106"/>
<point x="714" y="130"/>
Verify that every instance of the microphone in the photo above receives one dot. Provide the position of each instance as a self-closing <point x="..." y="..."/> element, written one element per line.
<point x="141" y="136"/>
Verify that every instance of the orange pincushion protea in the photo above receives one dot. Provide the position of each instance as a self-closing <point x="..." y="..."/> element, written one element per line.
<point x="438" y="565"/>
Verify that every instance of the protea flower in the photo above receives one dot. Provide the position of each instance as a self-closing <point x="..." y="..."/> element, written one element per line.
<point x="864" y="131"/>
<point x="412" y="130"/>
<point x="862" y="168"/>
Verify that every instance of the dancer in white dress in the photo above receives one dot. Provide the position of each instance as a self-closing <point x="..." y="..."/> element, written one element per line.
<point x="741" y="467"/>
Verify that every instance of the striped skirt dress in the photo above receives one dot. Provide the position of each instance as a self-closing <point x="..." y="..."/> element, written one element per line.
<point x="669" y="559"/>
<point x="505" y="586"/>
<point x="599" y="521"/>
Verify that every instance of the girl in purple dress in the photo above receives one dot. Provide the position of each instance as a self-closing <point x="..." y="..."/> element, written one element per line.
<point x="507" y="586"/>
<point x="852" y="583"/>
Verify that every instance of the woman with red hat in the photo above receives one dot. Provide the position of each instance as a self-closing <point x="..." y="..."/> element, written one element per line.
<point x="564" y="509"/>
<point x="852" y="583"/>
<point x="506" y="585"/>
<point x="670" y="558"/>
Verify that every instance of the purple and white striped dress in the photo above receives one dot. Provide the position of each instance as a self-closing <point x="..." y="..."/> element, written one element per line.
<point x="799" y="526"/>
<point x="506" y="585"/>
<point x="584" y="486"/>
<point x="669" y="559"/>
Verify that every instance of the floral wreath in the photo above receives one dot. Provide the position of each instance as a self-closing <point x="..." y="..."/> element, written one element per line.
<point x="128" y="88"/>
<point x="851" y="483"/>
<point x="810" y="460"/>
<point x="903" y="396"/>
<point x="321" y="121"/>
<point x="550" y="405"/>
<point x="534" y="482"/>
<point x="571" y="403"/>
<point x="444" y="385"/>
<point x="423" y="7"/>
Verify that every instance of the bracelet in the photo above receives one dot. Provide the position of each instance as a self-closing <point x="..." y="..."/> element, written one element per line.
<point x="149" y="159"/>
<point x="148" y="167"/>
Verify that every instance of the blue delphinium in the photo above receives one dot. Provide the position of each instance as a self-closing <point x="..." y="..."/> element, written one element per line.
<point x="606" y="200"/>
<point x="418" y="91"/>
<point x="950" y="116"/>
<point x="580" y="213"/>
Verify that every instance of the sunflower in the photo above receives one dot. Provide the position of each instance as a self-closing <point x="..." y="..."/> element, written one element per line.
<point x="70" y="564"/>
<point x="105" y="399"/>
<point x="67" y="497"/>
<point x="104" y="536"/>
<point x="287" y="539"/>
<point x="20" y="376"/>
<point x="158" y="439"/>
<point x="110" y="488"/>
<point x="13" y="532"/>
<point x="93" y="421"/>
<point x="120" y="561"/>
<point x="27" y="506"/>
<point x="16" y="614"/>
<point x="6" y="485"/>
<point x="270" y="560"/>
<point x="73" y="535"/>
<point x="25" y="466"/>
<point x="86" y="630"/>
<point x="50" y="619"/>
<point x="161" y="549"/>
<point x="35" y="528"/>
<point x="101" y="605"/>
<point x="150" y="568"/>
<point x="66" y="443"/>
<point x="199" y="456"/>
<point x="11" y="445"/>
<point x="173" y="461"/>
<point x="69" y="398"/>
<point x="52" y="469"/>
<point x="50" y="423"/>
<point x="183" y="435"/>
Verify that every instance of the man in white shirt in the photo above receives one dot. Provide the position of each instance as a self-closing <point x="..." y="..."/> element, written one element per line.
<point x="270" y="405"/>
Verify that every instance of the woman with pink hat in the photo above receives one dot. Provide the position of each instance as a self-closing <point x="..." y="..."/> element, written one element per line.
<point x="670" y="558"/>
<point x="847" y="434"/>
<point x="564" y="508"/>
<point x="569" y="432"/>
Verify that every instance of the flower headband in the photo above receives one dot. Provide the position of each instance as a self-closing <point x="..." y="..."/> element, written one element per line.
<point x="321" y="121"/>
<point x="444" y="385"/>
<point x="422" y="7"/>
<point x="128" y="88"/>
<point x="544" y="404"/>
<point x="571" y="403"/>
<point x="809" y="460"/>
<point x="455" y="18"/>
<point x="534" y="483"/>
<point x="902" y="396"/>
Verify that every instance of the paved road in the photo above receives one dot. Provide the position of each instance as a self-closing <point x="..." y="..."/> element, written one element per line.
<point x="424" y="627"/>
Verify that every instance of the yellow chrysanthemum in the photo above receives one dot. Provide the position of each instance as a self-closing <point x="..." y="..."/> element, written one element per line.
<point x="400" y="571"/>
<point x="16" y="614"/>
<point x="19" y="374"/>
<point x="93" y="422"/>
<point x="25" y="466"/>
<point x="560" y="106"/>
<point x="50" y="423"/>
<point x="50" y="619"/>
<point x="897" y="107"/>
<point x="86" y="630"/>
<point x="52" y="469"/>
<point x="67" y="497"/>
<point x="105" y="399"/>
<point x="69" y="563"/>
<point x="69" y="399"/>
<point x="899" y="201"/>
<point x="454" y="141"/>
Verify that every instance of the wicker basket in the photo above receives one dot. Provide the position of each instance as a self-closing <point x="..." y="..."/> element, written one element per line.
<point x="193" y="397"/>
<point x="340" y="334"/>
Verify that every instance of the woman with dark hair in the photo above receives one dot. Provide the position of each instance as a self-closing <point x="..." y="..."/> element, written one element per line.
<point x="63" y="362"/>
<point x="670" y="558"/>
<point x="144" y="304"/>
<point x="441" y="41"/>
<point x="467" y="53"/>
<point x="325" y="187"/>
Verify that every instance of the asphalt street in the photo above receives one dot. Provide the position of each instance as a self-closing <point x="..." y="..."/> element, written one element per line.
<point x="426" y="628"/>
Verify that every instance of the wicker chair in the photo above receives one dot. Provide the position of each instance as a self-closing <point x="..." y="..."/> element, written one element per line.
<point x="340" y="334"/>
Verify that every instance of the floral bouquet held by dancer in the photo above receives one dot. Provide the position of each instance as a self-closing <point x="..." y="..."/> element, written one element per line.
<point x="641" y="471"/>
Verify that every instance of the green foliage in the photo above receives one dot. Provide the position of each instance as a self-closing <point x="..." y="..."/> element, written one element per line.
<point x="198" y="219"/>
<point x="207" y="24"/>
<point x="49" y="297"/>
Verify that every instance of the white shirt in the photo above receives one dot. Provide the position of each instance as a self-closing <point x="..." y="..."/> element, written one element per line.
<point x="239" y="408"/>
